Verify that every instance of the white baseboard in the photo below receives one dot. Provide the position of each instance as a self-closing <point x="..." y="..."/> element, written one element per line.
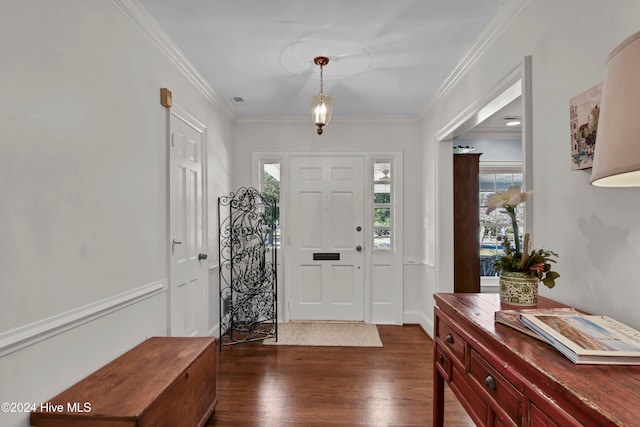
<point x="215" y="331"/>
<point x="413" y="316"/>
<point x="416" y="317"/>
<point x="427" y="325"/>
<point x="24" y="336"/>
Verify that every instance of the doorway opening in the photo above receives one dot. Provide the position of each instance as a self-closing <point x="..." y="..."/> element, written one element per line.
<point x="514" y="89"/>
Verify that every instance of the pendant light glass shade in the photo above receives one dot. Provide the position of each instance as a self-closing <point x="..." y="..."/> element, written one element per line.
<point x="321" y="110"/>
<point x="321" y="104"/>
<point x="616" y="160"/>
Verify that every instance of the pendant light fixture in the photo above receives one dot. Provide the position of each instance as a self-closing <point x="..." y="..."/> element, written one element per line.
<point x="321" y="104"/>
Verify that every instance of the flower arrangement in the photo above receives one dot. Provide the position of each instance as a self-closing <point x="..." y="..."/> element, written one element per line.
<point x="537" y="262"/>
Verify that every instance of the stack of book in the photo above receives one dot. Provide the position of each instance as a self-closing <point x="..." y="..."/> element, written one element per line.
<point x="582" y="338"/>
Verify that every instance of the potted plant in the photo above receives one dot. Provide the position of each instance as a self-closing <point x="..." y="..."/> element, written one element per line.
<point x="520" y="268"/>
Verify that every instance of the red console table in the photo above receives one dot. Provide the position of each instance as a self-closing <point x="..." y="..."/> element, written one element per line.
<point x="505" y="378"/>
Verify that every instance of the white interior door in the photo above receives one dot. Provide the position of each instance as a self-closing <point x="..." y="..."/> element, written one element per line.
<point x="187" y="288"/>
<point x="326" y="239"/>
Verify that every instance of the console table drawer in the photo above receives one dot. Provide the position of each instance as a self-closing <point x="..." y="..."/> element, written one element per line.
<point x="475" y="405"/>
<point x="539" y="418"/>
<point x="443" y="362"/>
<point x="547" y="413"/>
<point x="451" y="339"/>
<point x="499" y="388"/>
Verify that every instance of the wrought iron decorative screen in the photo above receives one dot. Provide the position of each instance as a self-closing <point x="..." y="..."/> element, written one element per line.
<point x="248" y="274"/>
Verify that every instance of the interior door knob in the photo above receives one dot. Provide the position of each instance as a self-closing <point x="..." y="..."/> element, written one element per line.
<point x="359" y="248"/>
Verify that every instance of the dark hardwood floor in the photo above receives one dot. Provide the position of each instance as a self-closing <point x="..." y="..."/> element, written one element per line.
<point x="274" y="386"/>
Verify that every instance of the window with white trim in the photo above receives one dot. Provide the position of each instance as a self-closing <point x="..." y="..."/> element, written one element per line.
<point x="494" y="226"/>
<point x="271" y="187"/>
<point x="382" y="205"/>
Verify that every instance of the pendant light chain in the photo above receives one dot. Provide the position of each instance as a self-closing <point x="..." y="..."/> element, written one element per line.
<point x="321" y="84"/>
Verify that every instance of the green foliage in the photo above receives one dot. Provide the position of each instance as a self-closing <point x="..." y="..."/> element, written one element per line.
<point x="272" y="194"/>
<point x="382" y="216"/>
<point x="536" y="264"/>
<point x="382" y="198"/>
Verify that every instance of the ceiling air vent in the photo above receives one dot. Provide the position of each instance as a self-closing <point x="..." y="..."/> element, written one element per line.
<point x="238" y="101"/>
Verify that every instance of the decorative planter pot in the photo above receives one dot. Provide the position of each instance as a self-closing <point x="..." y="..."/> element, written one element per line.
<point x="518" y="288"/>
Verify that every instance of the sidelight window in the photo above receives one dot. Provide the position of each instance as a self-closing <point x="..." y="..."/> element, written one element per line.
<point x="382" y="205"/>
<point x="271" y="188"/>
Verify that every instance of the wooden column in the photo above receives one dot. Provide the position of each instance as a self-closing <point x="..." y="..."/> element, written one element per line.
<point x="466" y="223"/>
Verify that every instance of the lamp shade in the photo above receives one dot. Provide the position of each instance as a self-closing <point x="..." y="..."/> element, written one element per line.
<point x="616" y="160"/>
<point x="321" y="110"/>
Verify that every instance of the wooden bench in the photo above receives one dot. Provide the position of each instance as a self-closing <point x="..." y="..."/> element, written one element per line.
<point x="164" y="381"/>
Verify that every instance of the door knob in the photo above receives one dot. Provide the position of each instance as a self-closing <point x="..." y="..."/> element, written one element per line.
<point x="202" y="256"/>
<point x="359" y="248"/>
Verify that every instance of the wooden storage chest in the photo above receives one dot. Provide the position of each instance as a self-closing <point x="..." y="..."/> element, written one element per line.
<point x="164" y="381"/>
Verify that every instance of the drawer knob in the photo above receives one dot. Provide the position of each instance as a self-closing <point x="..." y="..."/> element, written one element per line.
<point x="490" y="382"/>
<point x="449" y="339"/>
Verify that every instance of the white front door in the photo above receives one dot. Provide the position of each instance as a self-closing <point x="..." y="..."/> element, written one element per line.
<point x="327" y="238"/>
<point x="187" y="298"/>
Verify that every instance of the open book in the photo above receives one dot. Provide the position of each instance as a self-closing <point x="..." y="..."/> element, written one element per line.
<point x="587" y="339"/>
<point x="511" y="318"/>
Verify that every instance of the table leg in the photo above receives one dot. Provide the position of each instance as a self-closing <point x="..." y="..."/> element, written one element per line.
<point x="438" y="397"/>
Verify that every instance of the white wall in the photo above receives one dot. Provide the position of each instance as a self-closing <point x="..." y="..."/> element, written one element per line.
<point x="344" y="135"/>
<point x="494" y="149"/>
<point x="595" y="230"/>
<point x="83" y="253"/>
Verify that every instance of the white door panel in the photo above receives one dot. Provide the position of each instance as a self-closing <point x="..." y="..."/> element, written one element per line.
<point x="187" y="276"/>
<point x="326" y="196"/>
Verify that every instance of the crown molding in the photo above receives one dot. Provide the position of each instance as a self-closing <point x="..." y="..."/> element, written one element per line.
<point x="134" y="11"/>
<point x="341" y="119"/>
<point x="506" y="14"/>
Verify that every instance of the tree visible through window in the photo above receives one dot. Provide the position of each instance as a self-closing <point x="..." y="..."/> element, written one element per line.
<point x="271" y="188"/>
<point x="382" y="203"/>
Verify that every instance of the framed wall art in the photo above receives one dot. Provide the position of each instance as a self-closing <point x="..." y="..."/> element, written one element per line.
<point x="584" y="110"/>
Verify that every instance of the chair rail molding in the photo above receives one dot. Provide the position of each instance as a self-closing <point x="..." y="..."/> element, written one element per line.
<point x="32" y="333"/>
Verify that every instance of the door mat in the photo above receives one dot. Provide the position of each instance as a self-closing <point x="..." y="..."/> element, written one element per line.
<point x="327" y="334"/>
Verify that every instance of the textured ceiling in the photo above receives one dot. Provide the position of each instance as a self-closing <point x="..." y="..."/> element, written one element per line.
<point x="387" y="57"/>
